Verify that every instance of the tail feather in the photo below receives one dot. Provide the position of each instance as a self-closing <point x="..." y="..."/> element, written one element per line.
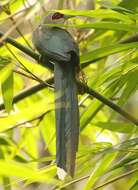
<point x="67" y="117"/>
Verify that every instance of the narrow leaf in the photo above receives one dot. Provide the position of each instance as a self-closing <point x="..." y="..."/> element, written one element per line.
<point x="99" y="13"/>
<point x="99" y="53"/>
<point x="135" y="186"/>
<point x="6" y="79"/>
<point x="100" y="170"/>
<point x="117" y="126"/>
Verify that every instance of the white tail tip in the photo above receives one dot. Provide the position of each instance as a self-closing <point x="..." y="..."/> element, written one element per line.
<point x="61" y="173"/>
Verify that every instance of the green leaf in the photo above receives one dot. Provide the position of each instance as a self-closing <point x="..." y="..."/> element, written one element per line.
<point x="125" y="145"/>
<point x="102" y="25"/>
<point x="117" y="8"/>
<point x="100" y="169"/>
<point x="15" y="169"/>
<point x="89" y="113"/>
<point x="99" y="13"/>
<point x="135" y="186"/>
<point x="128" y="143"/>
<point x="131" y="85"/>
<point x="26" y="114"/>
<point x="4" y="141"/>
<point x="95" y="106"/>
<point x="7" y="183"/>
<point x="48" y="132"/>
<point x="20" y="158"/>
<point x="6" y="79"/>
<point x="99" y="53"/>
<point x="6" y="180"/>
<point x="127" y="160"/>
<point x="117" y="126"/>
<point x="131" y="5"/>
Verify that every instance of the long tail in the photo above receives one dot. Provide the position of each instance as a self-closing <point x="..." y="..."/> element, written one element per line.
<point x="67" y="116"/>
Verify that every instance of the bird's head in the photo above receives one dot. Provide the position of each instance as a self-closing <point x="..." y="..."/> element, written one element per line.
<point x="56" y="18"/>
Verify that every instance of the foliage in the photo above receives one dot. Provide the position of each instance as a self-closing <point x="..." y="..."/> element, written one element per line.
<point x="106" y="32"/>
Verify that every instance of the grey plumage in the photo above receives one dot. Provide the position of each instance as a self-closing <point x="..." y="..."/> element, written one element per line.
<point x="57" y="45"/>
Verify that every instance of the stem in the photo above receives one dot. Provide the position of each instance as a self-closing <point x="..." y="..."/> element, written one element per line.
<point x="21" y="47"/>
<point x="102" y="185"/>
<point x="109" y="103"/>
<point x="20" y="33"/>
<point x="116" y="179"/>
<point x="26" y="69"/>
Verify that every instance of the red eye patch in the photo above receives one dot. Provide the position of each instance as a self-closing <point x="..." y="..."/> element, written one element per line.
<point x="57" y="16"/>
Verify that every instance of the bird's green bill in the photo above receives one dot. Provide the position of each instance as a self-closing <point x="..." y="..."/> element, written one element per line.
<point x="68" y="16"/>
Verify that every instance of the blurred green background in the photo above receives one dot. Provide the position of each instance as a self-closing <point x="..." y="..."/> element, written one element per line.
<point x="107" y="34"/>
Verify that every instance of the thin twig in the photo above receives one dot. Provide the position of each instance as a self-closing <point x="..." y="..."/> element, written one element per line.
<point x="88" y="90"/>
<point x="109" y="103"/>
<point x="115" y="179"/>
<point x="4" y="37"/>
<point x="24" y="74"/>
<point x="21" y="47"/>
<point x="102" y="185"/>
<point x="26" y="69"/>
<point x="72" y="182"/>
<point x="40" y="117"/>
<point x="20" y="33"/>
<point x="16" y="13"/>
<point x="17" y="28"/>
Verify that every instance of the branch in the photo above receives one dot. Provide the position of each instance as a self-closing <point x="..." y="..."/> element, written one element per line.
<point x="48" y="64"/>
<point x="109" y="103"/>
<point x="37" y="56"/>
<point x="32" y="53"/>
<point x="29" y="91"/>
<point x="116" y="179"/>
<point x="39" y="117"/>
<point x="86" y="89"/>
<point x="21" y="47"/>
<point x="102" y="185"/>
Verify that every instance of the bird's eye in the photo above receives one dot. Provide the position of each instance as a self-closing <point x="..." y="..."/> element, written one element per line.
<point x="57" y="16"/>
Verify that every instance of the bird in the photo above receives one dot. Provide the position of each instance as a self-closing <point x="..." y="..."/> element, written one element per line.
<point x="56" y="45"/>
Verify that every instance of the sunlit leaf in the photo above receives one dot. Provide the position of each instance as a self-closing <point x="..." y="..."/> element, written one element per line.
<point x="118" y="126"/>
<point x="8" y="122"/>
<point x="6" y="79"/>
<point x="100" y="13"/>
<point x="130" y="5"/>
<point x="135" y="186"/>
<point x="23" y="171"/>
<point x="131" y="85"/>
<point x="100" y="169"/>
<point x="94" y="55"/>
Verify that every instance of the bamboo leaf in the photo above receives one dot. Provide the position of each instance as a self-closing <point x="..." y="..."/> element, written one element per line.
<point x="135" y="186"/>
<point x="6" y="79"/>
<point x="99" y="53"/>
<point x="14" y="169"/>
<point x="100" y="169"/>
<point x="118" y="126"/>
<point x="8" y="122"/>
<point x="99" y="13"/>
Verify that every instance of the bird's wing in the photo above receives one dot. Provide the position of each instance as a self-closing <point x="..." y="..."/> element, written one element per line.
<point x="56" y="43"/>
